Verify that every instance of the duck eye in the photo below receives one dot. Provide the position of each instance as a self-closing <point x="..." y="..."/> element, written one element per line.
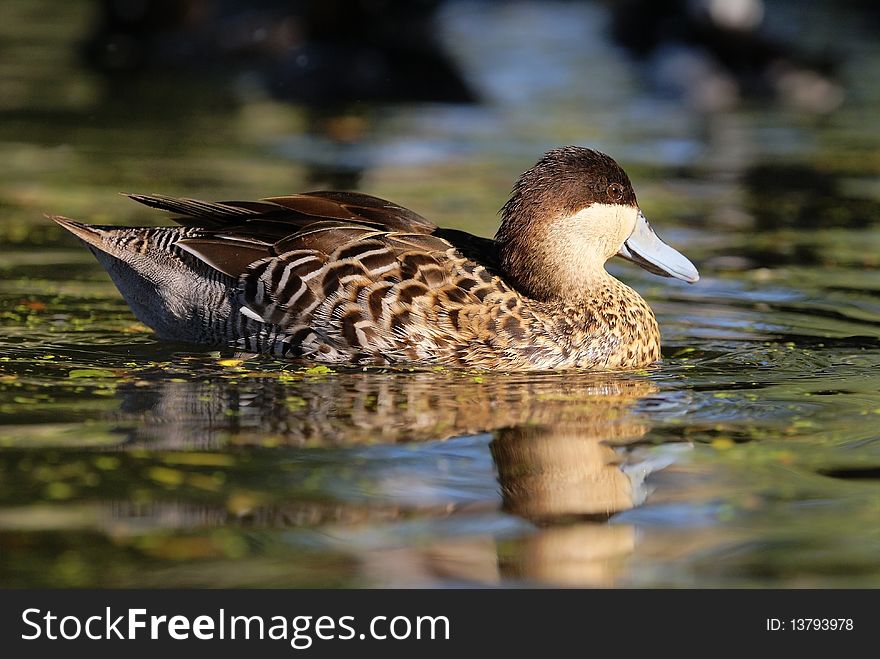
<point x="615" y="191"/>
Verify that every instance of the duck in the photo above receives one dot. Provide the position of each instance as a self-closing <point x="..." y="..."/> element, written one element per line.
<point x="338" y="277"/>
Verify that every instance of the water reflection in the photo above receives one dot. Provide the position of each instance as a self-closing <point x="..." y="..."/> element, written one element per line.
<point x="357" y="470"/>
<point x="300" y="408"/>
<point x="806" y="197"/>
<point x="568" y="479"/>
<point x="557" y="472"/>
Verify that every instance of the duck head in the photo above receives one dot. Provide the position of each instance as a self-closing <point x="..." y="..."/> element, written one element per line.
<point x="567" y="216"/>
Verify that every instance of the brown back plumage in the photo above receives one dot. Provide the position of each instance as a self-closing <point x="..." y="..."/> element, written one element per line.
<point x="342" y="276"/>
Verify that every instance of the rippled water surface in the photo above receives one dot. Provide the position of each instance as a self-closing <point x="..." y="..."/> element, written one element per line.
<point x="749" y="456"/>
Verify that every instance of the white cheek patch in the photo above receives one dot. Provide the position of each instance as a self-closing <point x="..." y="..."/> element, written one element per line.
<point x="605" y="223"/>
<point x="576" y="247"/>
<point x="599" y="230"/>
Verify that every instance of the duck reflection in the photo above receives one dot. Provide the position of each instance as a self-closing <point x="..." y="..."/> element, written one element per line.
<point x="553" y="473"/>
<point x="569" y="480"/>
<point x="561" y="458"/>
<point x="247" y="407"/>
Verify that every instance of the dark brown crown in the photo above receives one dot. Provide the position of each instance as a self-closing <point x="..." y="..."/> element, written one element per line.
<point x="568" y="179"/>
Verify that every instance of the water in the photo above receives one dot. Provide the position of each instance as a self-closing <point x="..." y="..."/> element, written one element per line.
<point x="749" y="456"/>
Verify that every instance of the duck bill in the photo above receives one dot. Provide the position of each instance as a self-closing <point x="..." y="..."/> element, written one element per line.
<point x="645" y="248"/>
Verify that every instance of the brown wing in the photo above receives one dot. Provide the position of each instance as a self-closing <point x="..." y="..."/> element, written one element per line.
<point x="234" y="234"/>
<point x="344" y="276"/>
<point x="352" y="293"/>
<point x="277" y="217"/>
<point x="323" y="260"/>
<point x="355" y="207"/>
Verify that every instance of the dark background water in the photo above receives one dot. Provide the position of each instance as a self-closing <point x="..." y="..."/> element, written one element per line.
<point x="749" y="456"/>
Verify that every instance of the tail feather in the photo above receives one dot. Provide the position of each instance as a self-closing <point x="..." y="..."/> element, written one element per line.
<point x="208" y="213"/>
<point x="88" y="234"/>
<point x="164" y="285"/>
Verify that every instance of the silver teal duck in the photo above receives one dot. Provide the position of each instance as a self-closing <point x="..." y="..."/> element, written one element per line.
<point x="344" y="277"/>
